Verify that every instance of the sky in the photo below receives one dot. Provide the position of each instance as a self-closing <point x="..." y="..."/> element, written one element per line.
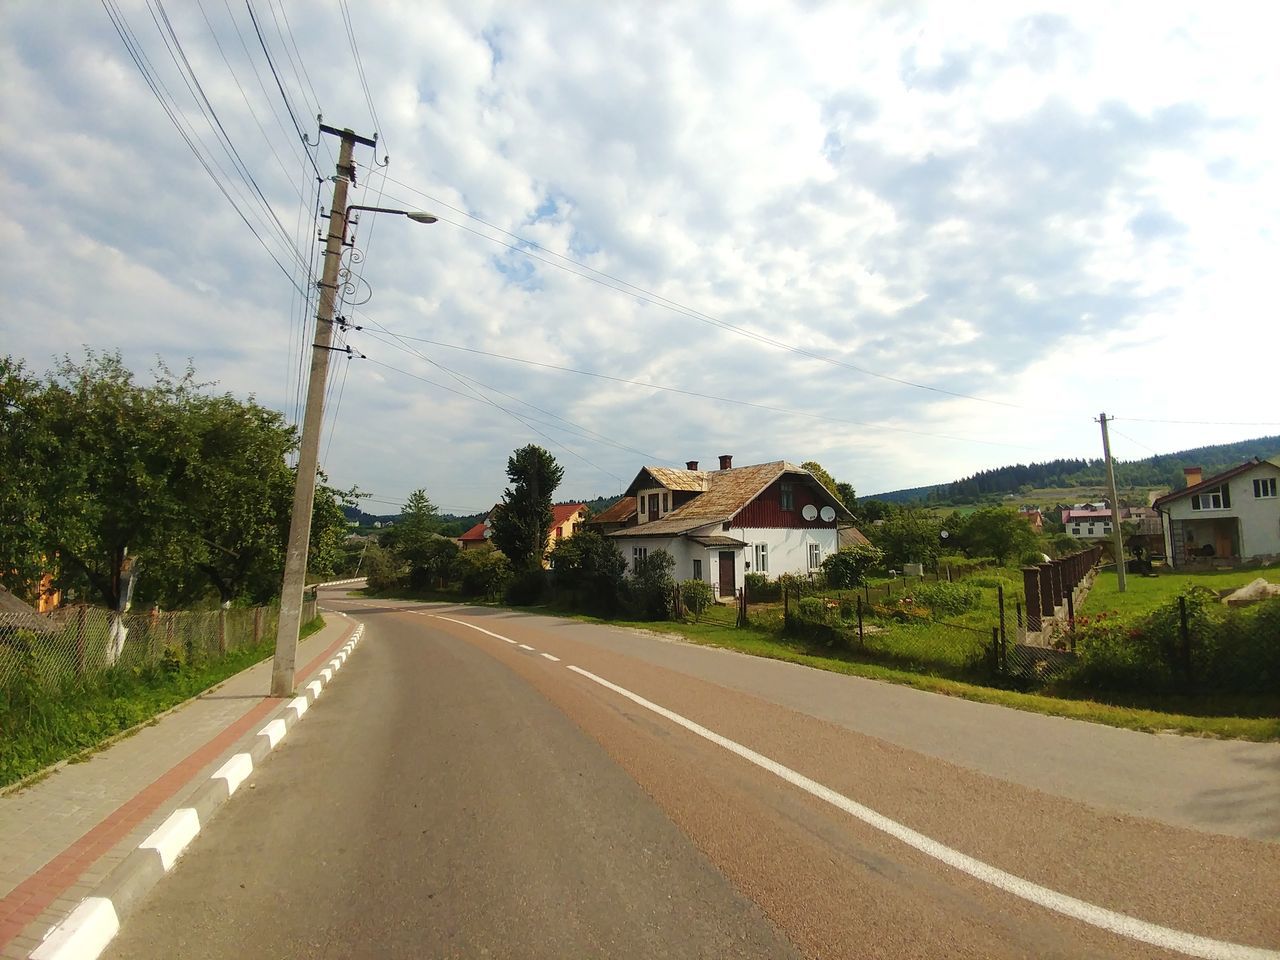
<point x="909" y="241"/>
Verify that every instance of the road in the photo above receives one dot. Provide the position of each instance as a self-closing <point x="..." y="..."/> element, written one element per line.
<point x="542" y="788"/>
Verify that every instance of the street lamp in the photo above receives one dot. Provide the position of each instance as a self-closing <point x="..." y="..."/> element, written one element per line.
<point x="304" y="489"/>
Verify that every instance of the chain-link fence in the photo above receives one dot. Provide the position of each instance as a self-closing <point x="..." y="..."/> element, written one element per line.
<point x="78" y="641"/>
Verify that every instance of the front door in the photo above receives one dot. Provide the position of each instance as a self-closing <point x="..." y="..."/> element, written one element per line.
<point x="728" y="583"/>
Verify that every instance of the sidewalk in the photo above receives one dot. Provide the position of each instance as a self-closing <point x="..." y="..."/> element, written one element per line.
<point x="63" y="835"/>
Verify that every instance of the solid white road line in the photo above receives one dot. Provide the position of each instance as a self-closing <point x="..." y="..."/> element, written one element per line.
<point x="1189" y="944"/>
<point x="551" y="658"/>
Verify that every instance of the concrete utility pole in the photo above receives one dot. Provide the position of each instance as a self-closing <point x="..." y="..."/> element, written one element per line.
<point x="1118" y="537"/>
<point x="304" y="490"/>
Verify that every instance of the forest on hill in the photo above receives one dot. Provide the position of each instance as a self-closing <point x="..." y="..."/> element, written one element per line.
<point x="1156" y="471"/>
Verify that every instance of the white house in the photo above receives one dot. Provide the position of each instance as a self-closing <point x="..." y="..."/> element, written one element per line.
<point x="1234" y="514"/>
<point x="719" y="525"/>
<point x="1088" y="523"/>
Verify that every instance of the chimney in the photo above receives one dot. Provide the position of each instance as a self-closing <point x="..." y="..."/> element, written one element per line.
<point x="691" y="465"/>
<point x="726" y="461"/>
<point x="1192" y="474"/>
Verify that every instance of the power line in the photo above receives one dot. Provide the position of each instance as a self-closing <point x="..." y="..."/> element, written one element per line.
<point x="283" y="96"/>
<point x="136" y="54"/>
<point x="1204" y="423"/>
<point x="647" y="296"/>
<point x="697" y="394"/>
<point x="498" y="406"/>
<point x="315" y="100"/>
<point x="364" y="83"/>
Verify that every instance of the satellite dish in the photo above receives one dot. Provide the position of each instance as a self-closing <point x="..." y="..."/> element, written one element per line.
<point x="828" y="514"/>
<point x="487" y="522"/>
<point x="809" y="512"/>
<point x="488" y="533"/>
<point x="945" y="534"/>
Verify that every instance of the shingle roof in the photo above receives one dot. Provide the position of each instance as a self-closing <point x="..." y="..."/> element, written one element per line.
<point x="620" y="512"/>
<point x="674" y="479"/>
<point x="563" y="511"/>
<point x="727" y="492"/>
<point x="1215" y="480"/>
<point x="475" y="533"/>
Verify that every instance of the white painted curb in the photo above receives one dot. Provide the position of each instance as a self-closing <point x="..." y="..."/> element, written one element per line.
<point x="87" y="930"/>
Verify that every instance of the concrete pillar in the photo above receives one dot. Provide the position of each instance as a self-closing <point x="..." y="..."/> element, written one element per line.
<point x="1046" y="589"/>
<point x="1031" y="587"/>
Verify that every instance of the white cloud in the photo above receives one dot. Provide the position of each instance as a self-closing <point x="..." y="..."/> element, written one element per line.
<point x="1061" y="212"/>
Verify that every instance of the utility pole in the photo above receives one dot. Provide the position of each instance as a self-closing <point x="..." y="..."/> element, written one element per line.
<point x="304" y="490"/>
<point x="1118" y="537"/>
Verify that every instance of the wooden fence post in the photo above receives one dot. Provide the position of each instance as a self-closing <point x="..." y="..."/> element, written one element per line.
<point x="257" y="625"/>
<point x="859" y="620"/>
<point x="222" y="631"/>
<point x="995" y="649"/>
<point x="1000" y="600"/>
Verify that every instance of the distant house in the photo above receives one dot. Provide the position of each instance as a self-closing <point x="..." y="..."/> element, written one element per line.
<point x="1087" y="523"/>
<point x="621" y="514"/>
<point x="565" y="519"/>
<point x="1233" y="515"/>
<point x="1034" y="518"/>
<point x="720" y="525"/>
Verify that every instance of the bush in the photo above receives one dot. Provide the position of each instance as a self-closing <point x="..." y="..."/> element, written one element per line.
<point x="849" y="568"/>
<point x="812" y="609"/>
<point x="697" y="596"/>
<point x="482" y="571"/>
<point x="382" y="568"/>
<point x="526" y="587"/>
<point x="947" y="598"/>
<point x="652" y="586"/>
<point x="588" y="572"/>
<point x="760" y="589"/>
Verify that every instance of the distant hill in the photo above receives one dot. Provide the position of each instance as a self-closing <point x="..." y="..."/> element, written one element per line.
<point x="1162" y="470"/>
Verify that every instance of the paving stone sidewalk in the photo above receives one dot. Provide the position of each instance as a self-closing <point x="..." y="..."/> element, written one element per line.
<point x="61" y="836"/>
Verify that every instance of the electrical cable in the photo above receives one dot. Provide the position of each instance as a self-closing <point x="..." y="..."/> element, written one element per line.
<point x="134" y="49"/>
<point x="267" y="53"/>
<point x="355" y="53"/>
<point x="632" y="290"/>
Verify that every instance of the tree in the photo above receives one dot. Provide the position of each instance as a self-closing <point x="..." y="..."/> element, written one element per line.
<point x="908" y="536"/>
<point x="996" y="532"/>
<point x="482" y="571"/>
<point x="328" y="528"/>
<point x="22" y="546"/>
<point x="589" y="568"/>
<point x="523" y="518"/>
<point x="850" y="566"/>
<point x="848" y="496"/>
<point x="653" y="586"/>
<point x="414" y="536"/>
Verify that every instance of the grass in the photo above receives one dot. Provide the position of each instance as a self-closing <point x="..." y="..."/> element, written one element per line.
<point x="1204" y="717"/>
<point x="43" y="726"/>
<point x="1144" y="594"/>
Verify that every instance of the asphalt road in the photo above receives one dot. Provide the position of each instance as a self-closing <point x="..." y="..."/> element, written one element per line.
<point x="456" y="794"/>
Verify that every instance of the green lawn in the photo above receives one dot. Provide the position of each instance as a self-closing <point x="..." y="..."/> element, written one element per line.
<point x="1144" y="594"/>
<point x="42" y="726"/>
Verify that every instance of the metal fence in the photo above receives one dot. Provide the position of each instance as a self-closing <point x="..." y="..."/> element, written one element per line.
<point x="81" y="641"/>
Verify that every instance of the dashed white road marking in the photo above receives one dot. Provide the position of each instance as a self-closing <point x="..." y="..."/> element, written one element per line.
<point x="551" y="658"/>
<point x="524" y="646"/>
<point x="1189" y="944"/>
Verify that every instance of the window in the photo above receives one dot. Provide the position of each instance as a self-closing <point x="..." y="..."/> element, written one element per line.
<point x="1265" y="487"/>
<point x="641" y="501"/>
<point x="665" y="507"/>
<point x="638" y="554"/>
<point x="697" y="569"/>
<point x="1091" y="528"/>
<point x="1219" y="498"/>
<point x="786" y="497"/>
<point x="815" y="556"/>
<point x="762" y="557"/>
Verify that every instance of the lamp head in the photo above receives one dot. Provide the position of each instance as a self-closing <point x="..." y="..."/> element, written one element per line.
<point x="421" y="216"/>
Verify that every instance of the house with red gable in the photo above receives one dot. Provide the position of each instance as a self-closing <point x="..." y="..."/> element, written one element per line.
<point x="720" y="525"/>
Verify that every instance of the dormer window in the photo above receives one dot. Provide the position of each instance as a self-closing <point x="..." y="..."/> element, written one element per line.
<point x="1219" y="498"/>
<point x="786" y="496"/>
<point x="665" y="506"/>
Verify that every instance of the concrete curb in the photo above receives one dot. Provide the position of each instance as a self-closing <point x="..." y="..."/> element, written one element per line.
<point x="87" y="930"/>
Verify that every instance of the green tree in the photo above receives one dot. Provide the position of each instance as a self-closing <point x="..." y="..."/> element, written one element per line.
<point x="589" y="571"/>
<point x="329" y="530"/>
<point x="523" y="518"/>
<point x="414" y="536"/>
<point x="482" y="571"/>
<point x="996" y="532"/>
<point x="22" y="451"/>
<point x="653" y="586"/>
<point x="907" y="536"/>
<point x="850" y="566"/>
<point x="848" y="496"/>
